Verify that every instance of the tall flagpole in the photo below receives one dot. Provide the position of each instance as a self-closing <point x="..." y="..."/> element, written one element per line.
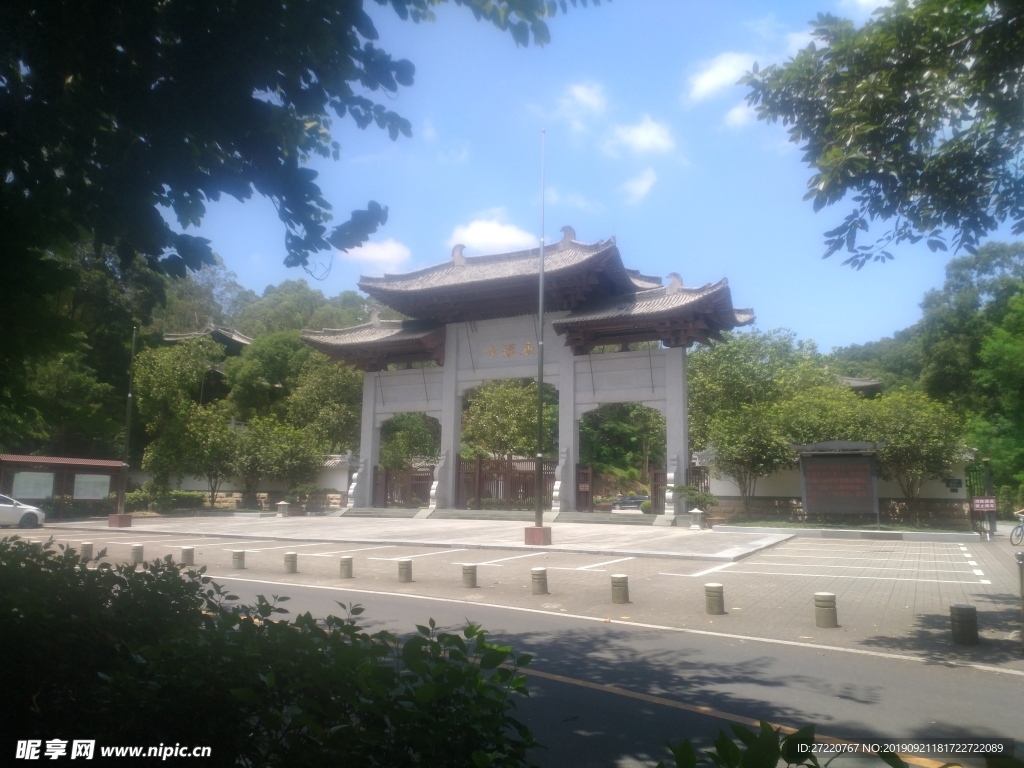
<point x="538" y="520"/>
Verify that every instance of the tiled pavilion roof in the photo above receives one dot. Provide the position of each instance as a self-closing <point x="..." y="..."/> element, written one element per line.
<point x="606" y="304"/>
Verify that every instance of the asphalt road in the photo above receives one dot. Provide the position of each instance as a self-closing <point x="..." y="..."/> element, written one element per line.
<point x="606" y="694"/>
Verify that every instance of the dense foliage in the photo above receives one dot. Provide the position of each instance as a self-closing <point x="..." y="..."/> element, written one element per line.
<point x="125" y="653"/>
<point x="965" y="352"/>
<point x="760" y="393"/>
<point x="919" y="114"/>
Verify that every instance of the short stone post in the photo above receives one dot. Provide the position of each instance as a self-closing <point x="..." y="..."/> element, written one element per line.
<point x="825" y="616"/>
<point x="137" y="556"/>
<point x="291" y="562"/>
<point x="620" y="588"/>
<point x="345" y="567"/>
<point x="714" y="599"/>
<point x="188" y="555"/>
<point x="238" y="559"/>
<point x="539" y="577"/>
<point x="405" y="571"/>
<point x="86" y="551"/>
<point x="469" y="576"/>
<point x="964" y="622"/>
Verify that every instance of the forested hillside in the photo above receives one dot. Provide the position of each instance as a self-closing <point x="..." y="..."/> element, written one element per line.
<point x="966" y="351"/>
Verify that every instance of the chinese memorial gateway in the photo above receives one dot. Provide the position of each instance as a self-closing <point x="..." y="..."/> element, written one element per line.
<point x="476" y="318"/>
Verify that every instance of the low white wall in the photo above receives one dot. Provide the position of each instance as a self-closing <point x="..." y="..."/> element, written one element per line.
<point x="787" y="483"/>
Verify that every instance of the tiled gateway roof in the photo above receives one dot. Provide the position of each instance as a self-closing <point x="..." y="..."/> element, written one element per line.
<point x="502" y="285"/>
<point x="675" y="315"/>
<point x="373" y="346"/>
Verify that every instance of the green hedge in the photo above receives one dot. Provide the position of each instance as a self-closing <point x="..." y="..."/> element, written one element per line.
<point x="163" y="501"/>
<point x="159" y="654"/>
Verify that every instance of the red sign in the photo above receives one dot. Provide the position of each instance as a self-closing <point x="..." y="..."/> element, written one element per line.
<point x="983" y="504"/>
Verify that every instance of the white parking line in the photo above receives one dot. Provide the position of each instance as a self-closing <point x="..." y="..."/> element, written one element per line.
<point x="873" y="578"/>
<point x="709" y="570"/>
<point x="342" y="551"/>
<point x="425" y="554"/>
<point x="498" y="563"/>
<point x="286" y="546"/>
<point x="844" y="557"/>
<point x="865" y="567"/>
<point x="609" y="562"/>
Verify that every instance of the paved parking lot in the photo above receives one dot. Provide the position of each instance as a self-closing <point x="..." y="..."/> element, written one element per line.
<point x="892" y="596"/>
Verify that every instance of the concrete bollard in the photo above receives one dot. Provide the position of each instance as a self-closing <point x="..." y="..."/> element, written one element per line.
<point x="405" y="571"/>
<point x="291" y="562"/>
<point x="964" y="622"/>
<point x="137" y="556"/>
<point x="345" y="568"/>
<point x="620" y="588"/>
<point x="238" y="559"/>
<point x="825" y="615"/>
<point x="539" y="577"/>
<point x="188" y="555"/>
<point x="469" y="576"/>
<point x="86" y="551"/>
<point x="714" y="599"/>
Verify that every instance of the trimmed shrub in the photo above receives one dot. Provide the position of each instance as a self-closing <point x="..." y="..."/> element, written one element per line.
<point x="160" y="654"/>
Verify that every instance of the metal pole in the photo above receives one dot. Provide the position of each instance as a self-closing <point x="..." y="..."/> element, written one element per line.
<point x="538" y="519"/>
<point x="1020" y="568"/>
<point x="123" y="479"/>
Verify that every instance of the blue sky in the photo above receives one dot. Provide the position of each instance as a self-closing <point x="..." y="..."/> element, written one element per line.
<point x="648" y="139"/>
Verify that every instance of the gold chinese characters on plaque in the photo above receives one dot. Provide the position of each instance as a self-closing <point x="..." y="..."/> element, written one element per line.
<point x="510" y="350"/>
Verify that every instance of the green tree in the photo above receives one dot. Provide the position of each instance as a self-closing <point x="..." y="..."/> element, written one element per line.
<point x="211" y="445"/>
<point x="121" y="132"/>
<point x="327" y="400"/>
<point x="918" y="113"/>
<point x="500" y="418"/>
<point x="621" y="436"/>
<point x="286" y="307"/>
<point x="920" y="439"/>
<point x="253" y="455"/>
<point x="748" y="444"/>
<point x="822" y="414"/>
<point x="266" y="373"/>
<point x="266" y="447"/>
<point x="169" y="381"/>
<point x="212" y="294"/>
<point x="752" y="368"/>
<point x="407" y="438"/>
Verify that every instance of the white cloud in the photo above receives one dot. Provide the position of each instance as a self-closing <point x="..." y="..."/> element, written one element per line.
<point x="637" y="189"/>
<point x="739" y="116"/>
<point x="580" y="103"/>
<point x="570" y="200"/>
<point x="385" y="256"/>
<point x="491" y="235"/>
<point x="429" y="132"/>
<point x="588" y="96"/>
<point x="719" y="73"/>
<point x="646" y="136"/>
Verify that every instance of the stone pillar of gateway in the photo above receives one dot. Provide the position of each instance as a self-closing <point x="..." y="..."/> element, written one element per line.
<point x="476" y="318"/>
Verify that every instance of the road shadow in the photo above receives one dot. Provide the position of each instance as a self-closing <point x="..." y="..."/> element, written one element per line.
<point x="931" y="636"/>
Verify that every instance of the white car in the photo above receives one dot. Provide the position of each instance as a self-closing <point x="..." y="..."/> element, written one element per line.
<point x="22" y="515"/>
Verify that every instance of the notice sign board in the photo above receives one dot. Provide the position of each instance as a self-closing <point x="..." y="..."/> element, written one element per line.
<point x="983" y="504"/>
<point x="839" y="484"/>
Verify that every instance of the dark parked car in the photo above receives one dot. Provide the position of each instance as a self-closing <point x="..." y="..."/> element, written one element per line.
<point x="632" y="501"/>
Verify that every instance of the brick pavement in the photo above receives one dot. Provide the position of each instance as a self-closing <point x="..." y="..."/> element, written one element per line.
<point x="892" y="596"/>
